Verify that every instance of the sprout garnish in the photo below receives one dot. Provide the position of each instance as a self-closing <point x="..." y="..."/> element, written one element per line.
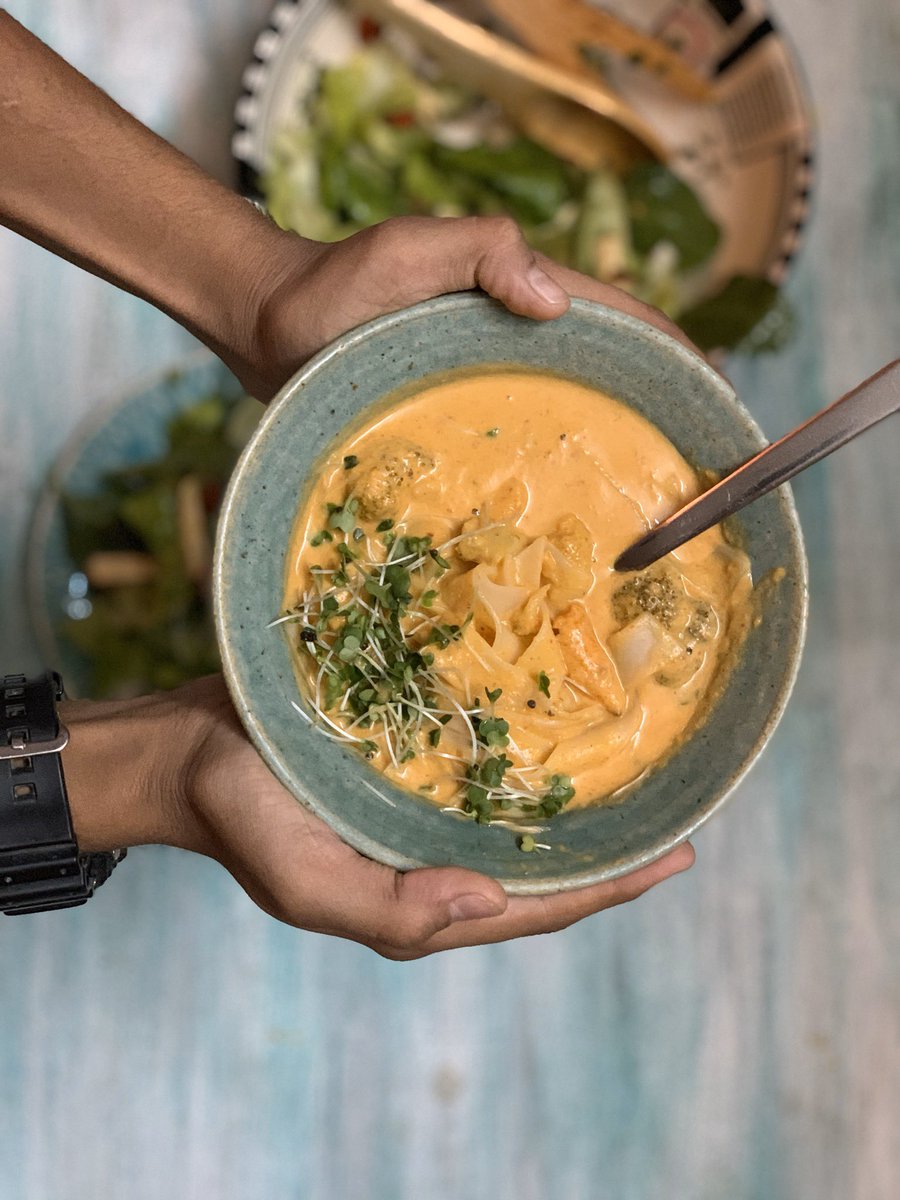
<point x="368" y="627"/>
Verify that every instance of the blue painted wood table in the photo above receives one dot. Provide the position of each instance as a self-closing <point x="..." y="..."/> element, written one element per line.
<point x="734" y="1035"/>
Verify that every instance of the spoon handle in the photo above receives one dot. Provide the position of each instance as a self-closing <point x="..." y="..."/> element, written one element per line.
<point x="873" y="400"/>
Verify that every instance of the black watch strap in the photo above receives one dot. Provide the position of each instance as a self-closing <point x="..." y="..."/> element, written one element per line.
<point x="40" y="864"/>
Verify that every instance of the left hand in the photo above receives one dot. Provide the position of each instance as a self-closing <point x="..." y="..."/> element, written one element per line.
<point x="308" y="293"/>
<point x="311" y="292"/>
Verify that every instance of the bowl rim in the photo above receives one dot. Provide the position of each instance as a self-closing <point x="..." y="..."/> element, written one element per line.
<point x="371" y="847"/>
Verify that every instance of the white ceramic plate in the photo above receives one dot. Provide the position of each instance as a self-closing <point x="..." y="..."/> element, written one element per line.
<point x="747" y="153"/>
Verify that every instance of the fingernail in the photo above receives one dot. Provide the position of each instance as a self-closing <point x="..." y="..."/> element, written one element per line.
<point x="465" y="908"/>
<point x="548" y="289"/>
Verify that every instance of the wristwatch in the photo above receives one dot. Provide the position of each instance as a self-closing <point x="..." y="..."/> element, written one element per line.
<point x="41" y="867"/>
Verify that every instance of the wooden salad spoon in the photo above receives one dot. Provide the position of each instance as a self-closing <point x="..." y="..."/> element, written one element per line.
<point x="578" y="119"/>
<point x="872" y="401"/>
<point x="565" y="31"/>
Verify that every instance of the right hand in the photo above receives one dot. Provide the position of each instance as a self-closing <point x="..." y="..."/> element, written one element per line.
<point x="177" y="768"/>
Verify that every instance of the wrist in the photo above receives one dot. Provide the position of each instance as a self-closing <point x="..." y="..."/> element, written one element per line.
<point x="225" y="296"/>
<point x="123" y="766"/>
<point x="259" y="333"/>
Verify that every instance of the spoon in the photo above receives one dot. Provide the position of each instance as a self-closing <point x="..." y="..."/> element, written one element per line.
<point x="873" y="400"/>
<point x="578" y="119"/>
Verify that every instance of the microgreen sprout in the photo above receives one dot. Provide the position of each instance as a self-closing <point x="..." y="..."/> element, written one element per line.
<point x="343" y="516"/>
<point x="495" y="790"/>
<point x="355" y="628"/>
<point x="376" y="684"/>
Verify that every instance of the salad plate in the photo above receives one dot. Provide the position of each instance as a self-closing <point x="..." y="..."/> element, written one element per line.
<point x="708" y="236"/>
<point x="118" y="473"/>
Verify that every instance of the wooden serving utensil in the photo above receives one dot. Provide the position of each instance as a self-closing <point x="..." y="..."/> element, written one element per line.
<point x="559" y="31"/>
<point x="581" y="121"/>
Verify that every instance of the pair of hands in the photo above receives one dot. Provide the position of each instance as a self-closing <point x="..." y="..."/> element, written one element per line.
<point x="215" y="795"/>
<point x="84" y="179"/>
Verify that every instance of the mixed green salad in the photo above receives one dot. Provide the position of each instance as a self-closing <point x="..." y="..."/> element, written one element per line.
<point x="142" y="548"/>
<point x="373" y="138"/>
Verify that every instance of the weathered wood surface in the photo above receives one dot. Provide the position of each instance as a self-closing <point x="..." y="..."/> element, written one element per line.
<point x="734" y="1035"/>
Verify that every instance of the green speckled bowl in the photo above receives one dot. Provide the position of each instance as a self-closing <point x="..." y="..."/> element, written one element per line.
<point x="686" y="399"/>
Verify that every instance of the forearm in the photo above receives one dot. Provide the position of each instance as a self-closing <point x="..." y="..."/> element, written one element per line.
<point x="89" y="182"/>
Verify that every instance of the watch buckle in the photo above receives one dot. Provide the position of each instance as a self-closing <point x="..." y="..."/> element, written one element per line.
<point x="20" y="746"/>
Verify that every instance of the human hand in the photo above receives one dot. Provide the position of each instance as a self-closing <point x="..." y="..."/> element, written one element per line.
<point x="186" y="775"/>
<point x="309" y="293"/>
<point x="86" y="180"/>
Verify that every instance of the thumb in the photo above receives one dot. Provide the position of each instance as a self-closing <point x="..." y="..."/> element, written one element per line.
<point x="504" y="266"/>
<point x="423" y="902"/>
<point x="451" y="893"/>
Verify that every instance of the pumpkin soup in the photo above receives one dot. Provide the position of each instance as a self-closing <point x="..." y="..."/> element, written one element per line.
<point x="455" y="615"/>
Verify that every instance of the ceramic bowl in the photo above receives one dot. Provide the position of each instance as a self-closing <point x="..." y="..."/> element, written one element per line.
<point x="692" y="405"/>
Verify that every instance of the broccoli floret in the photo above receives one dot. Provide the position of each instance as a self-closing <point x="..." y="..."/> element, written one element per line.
<point x="383" y="480"/>
<point x="700" y="627"/>
<point x="652" y="592"/>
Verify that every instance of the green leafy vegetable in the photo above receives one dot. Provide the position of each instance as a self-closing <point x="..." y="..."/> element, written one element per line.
<point x="158" y="632"/>
<point x="663" y="208"/>
<point x="376" y="139"/>
<point x="532" y="182"/>
<point x="734" y="314"/>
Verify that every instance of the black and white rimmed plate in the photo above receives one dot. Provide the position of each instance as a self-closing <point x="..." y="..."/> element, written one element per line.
<point x="747" y="153"/>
